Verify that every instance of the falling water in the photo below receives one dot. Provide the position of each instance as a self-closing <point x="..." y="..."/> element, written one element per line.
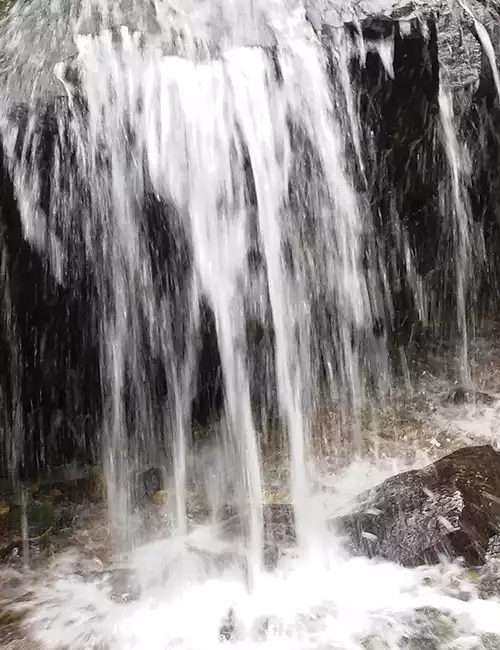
<point x="10" y="424"/>
<point x="487" y="46"/>
<point x="217" y="143"/>
<point x="461" y="222"/>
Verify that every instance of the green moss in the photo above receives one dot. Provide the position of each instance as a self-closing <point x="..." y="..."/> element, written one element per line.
<point x="40" y="517"/>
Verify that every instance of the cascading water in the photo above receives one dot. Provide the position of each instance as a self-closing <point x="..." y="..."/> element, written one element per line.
<point x="217" y="141"/>
<point x="193" y="171"/>
<point x="9" y="395"/>
<point x="461" y="223"/>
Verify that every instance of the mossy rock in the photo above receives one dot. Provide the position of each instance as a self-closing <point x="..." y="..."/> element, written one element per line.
<point x="10" y="625"/>
<point x="40" y="517"/>
<point x="91" y="487"/>
<point x="40" y="521"/>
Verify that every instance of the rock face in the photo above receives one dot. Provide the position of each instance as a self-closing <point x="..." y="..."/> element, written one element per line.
<point x="451" y="508"/>
<point x="459" y="50"/>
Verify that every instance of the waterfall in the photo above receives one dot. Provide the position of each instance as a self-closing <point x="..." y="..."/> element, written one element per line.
<point x="184" y="178"/>
<point x="10" y="423"/>
<point x="461" y="223"/>
<point x="244" y="157"/>
<point x="229" y="233"/>
<point x="200" y="129"/>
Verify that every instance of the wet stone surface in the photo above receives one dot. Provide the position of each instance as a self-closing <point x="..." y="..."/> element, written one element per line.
<point x="449" y="508"/>
<point x="38" y="519"/>
<point x="461" y="395"/>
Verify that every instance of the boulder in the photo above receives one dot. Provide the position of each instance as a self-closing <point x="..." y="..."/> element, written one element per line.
<point x="449" y="508"/>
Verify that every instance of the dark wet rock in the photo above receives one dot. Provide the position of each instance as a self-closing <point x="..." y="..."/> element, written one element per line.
<point x="148" y="483"/>
<point x="451" y="508"/>
<point x="430" y="629"/>
<point x="490" y="641"/>
<point x="397" y="86"/>
<point x="432" y="45"/>
<point x="228" y="627"/>
<point x="482" y="134"/>
<point x="50" y="355"/>
<point x="90" y="487"/>
<point x="493" y="550"/>
<point x="460" y="54"/>
<point x="39" y="522"/>
<point x="123" y="587"/>
<point x="488" y="584"/>
<point x="462" y="395"/>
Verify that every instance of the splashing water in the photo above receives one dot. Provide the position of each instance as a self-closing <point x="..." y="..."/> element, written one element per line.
<point x="327" y="598"/>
